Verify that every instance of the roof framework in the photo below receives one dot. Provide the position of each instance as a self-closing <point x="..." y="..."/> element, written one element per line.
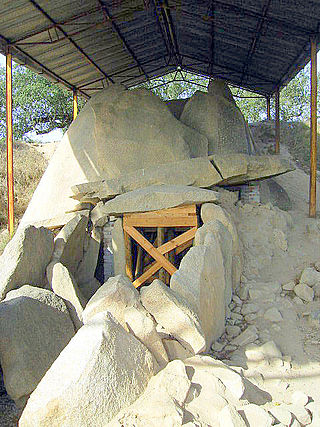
<point x="88" y="44"/>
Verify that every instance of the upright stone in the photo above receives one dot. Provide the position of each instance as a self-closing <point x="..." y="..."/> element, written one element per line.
<point x="25" y="259"/>
<point x="174" y="313"/>
<point x="69" y="243"/>
<point x="201" y="281"/>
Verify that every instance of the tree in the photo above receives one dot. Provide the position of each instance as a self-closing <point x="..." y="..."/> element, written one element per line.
<point x="38" y="104"/>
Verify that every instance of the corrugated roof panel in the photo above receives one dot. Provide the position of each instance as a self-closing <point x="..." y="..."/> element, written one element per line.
<point x="259" y="44"/>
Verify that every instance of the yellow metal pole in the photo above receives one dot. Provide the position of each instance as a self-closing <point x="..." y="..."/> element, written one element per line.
<point x="277" y="121"/>
<point x="10" y="185"/>
<point x="75" y="104"/>
<point x="313" y="130"/>
<point x="268" y="108"/>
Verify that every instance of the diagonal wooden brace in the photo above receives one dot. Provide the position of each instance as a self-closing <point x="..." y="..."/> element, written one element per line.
<point x="175" y="243"/>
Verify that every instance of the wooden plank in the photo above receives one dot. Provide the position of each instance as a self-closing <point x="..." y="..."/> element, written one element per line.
<point x="179" y="243"/>
<point x="160" y="238"/>
<point x="147" y="274"/>
<point x="128" y="255"/>
<point x="181" y="216"/>
<point x="165" y="221"/>
<point x="277" y="121"/>
<point x="147" y="246"/>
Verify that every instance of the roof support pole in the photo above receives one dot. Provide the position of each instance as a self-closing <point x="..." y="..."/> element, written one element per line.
<point x="313" y="130"/>
<point x="268" y="108"/>
<point x="277" y="121"/>
<point x="75" y="104"/>
<point x="10" y="186"/>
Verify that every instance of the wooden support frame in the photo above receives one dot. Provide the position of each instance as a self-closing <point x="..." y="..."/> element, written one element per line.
<point x="75" y="104"/>
<point x="313" y="131"/>
<point x="184" y="217"/>
<point x="277" y="121"/>
<point x="10" y="178"/>
<point x="268" y="107"/>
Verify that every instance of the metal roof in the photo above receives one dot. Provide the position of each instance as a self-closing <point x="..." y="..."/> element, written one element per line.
<point x="87" y="44"/>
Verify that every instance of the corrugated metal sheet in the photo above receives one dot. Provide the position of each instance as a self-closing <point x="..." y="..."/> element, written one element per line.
<point x="88" y="44"/>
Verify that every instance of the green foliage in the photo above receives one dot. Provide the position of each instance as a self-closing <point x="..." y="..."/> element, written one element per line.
<point x="295" y="97"/>
<point x="38" y="104"/>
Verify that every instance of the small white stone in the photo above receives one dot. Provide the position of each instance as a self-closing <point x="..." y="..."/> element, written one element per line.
<point x="289" y="286"/>
<point x="304" y="292"/>
<point x="257" y="416"/>
<point x="249" y="308"/>
<point x="282" y="414"/>
<point x="248" y="336"/>
<point x="302" y="415"/>
<point x="236" y="316"/>
<point x="243" y="292"/>
<point x="273" y="315"/>
<point x="249" y="318"/>
<point x="233" y="331"/>
<point x="229" y="417"/>
<point x="310" y="276"/>
<point x="297" y="300"/>
<point x="300" y="398"/>
<point x="237" y="300"/>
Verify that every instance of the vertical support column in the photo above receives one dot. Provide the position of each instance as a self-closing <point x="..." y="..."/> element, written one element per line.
<point x="277" y="121"/>
<point x="10" y="185"/>
<point x="75" y="104"/>
<point x="268" y="108"/>
<point x="313" y="130"/>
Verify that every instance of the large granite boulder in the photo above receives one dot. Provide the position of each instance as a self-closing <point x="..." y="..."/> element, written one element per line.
<point x="25" y="259"/>
<point x="102" y="370"/>
<point x="35" y="326"/>
<point x="215" y="115"/>
<point x="118" y="131"/>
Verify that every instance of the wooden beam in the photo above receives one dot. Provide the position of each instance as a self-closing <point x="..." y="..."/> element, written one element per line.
<point x="10" y="179"/>
<point x="313" y="130"/>
<point x="75" y="104"/>
<point x="148" y="247"/>
<point x="268" y="108"/>
<point x="277" y="121"/>
<point x="179" y="244"/>
<point x="128" y="255"/>
<point x="160" y="241"/>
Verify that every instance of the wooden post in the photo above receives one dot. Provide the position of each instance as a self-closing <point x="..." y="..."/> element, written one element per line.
<point x="160" y="241"/>
<point x="313" y="130"/>
<point x="277" y="121"/>
<point x="268" y="108"/>
<point x="75" y="104"/>
<point x="10" y="184"/>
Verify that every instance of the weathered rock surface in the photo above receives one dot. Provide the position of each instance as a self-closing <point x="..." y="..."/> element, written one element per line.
<point x="88" y="263"/>
<point x="114" y="296"/>
<point x="175" y="350"/>
<point x="198" y="172"/>
<point x="118" y="248"/>
<point x="92" y="379"/>
<point x="153" y="198"/>
<point x="64" y="285"/>
<point x="142" y="326"/>
<point x="162" y="403"/>
<point x="201" y="281"/>
<point x="310" y="276"/>
<point x="173" y="312"/>
<point x="303" y="291"/>
<point x="212" y="211"/>
<point x="241" y="168"/>
<point x="127" y="130"/>
<point x="34" y="327"/>
<point x="69" y="243"/>
<point x="218" y="118"/>
<point x="25" y="258"/>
